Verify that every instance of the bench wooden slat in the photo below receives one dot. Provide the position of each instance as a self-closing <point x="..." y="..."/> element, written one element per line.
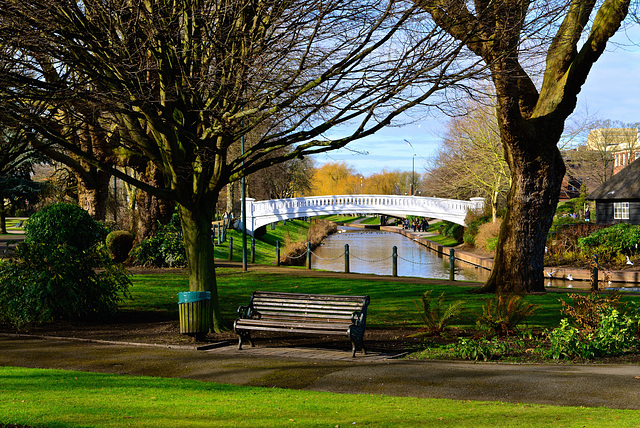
<point x="350" y="308"/>
<point x="304" y="313"/>
<point x="300" y="307"/>
<point x="345" y="317"/>
<point x="323" y="304"/>
<point x="293" y="324"/>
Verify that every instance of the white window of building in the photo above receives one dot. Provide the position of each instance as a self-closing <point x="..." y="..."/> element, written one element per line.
<point x="621" y="210"/>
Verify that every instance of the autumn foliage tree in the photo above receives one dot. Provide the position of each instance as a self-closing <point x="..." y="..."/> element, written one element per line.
<point x="334" y="178"/>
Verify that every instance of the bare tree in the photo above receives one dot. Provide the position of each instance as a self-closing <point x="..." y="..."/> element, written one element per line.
<point x="511" y="36"/>
<point x="470" y="162"/>
<point x="183" y="80"/>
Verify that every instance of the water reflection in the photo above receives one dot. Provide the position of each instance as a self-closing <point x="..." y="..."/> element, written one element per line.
<point x="371" y="252"/>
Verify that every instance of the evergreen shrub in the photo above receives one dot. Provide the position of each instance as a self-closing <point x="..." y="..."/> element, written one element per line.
<point x="64" y="223"/>
<point x="473" y="224"/>
<point x="164" y="249"/>
<point x="119" y="243"/>
<point x="621" y="238"/>
<point x="61" y="271"/>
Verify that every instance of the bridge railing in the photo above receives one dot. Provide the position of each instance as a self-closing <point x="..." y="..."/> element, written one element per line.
<point x="260" y="213"/>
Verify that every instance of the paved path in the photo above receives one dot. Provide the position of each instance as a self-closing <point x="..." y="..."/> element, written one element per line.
<point x="613" y="386"/>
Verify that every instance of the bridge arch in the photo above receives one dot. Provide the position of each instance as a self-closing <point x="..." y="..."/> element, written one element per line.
<point x="261" y="213"/>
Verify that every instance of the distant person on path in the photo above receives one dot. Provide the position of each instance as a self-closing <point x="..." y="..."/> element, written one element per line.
<point x="587" y="215"/>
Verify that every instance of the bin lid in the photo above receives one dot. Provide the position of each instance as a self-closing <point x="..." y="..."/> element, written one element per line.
<point x="193" y="296"/>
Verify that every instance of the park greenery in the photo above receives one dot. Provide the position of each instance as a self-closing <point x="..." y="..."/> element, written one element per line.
<point x="453" y="322"/>
<point x="280" y="78"/>
<point x="61" y="272"/>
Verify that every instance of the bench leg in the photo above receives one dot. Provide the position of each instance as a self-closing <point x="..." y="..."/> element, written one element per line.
<point x="357" y="342"/>
<point x="244" y="336"/>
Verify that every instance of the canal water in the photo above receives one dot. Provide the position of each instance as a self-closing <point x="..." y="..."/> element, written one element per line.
<point x="371" y="252"/>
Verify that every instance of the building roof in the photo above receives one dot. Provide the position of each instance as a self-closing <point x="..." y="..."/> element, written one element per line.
<point x="624" y="185"/>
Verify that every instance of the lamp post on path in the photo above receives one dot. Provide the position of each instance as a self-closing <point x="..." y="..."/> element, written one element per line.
<point x="413" y="169"/>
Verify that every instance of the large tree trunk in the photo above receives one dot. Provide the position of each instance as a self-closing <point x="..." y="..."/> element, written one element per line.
<point x="196" y="229"/>
<point x="531" y="204"/>
<point x="93" y="192"/>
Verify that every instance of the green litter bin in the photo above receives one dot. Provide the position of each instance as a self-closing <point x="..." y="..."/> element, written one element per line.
<point x="195" y="313"/>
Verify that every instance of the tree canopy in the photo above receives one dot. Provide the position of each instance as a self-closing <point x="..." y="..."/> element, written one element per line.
<point x="178" y="82"/>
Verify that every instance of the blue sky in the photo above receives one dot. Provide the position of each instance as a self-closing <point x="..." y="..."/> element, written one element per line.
<point x="612" y="92"/>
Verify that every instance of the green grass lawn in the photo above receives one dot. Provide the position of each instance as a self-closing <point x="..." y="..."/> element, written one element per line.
<point x="393" y="304"/>
<point x="57" y="398"/>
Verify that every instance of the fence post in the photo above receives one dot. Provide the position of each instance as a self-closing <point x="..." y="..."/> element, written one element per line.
<point x="594" y="273"/>
<point x="395" y="261"/>
<point x="346" y="258"/>
<point x="452" y="262"/>
<point x="253" y="250"/>
<point x="230" y="248"/>
<point x="308" y="255"/>
<point x="219" y="231"/>
<point x="277" y="253"/>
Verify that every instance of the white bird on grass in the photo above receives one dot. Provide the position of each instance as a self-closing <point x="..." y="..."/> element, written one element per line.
<point x="629" y="262"/>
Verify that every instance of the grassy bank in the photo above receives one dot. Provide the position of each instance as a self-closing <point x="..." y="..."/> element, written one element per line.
<point x="57" y="398"/>
<point x="265" y="245"/>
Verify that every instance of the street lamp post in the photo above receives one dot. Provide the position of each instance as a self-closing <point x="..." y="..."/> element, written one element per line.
<point x="413" y="168"/>
<point x="244" y="213"/>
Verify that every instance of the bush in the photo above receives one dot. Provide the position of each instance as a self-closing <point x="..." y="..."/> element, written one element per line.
<point x="487" y="236"/>
<point x="609" y="242"/>
<point x="452" y="230"/>
<point x="164" y="249"/>
<point x="586" y="310"/>
<point x="59" y="282"/>
<point x="294" y="252"/>
<point x="615" y="334"/>
<point x="119" y="244"/>
<point x="472" y="226"/>
<point x="599" y="326"/>
<point x="567" y="207"/>
<point x="63" y="223"/>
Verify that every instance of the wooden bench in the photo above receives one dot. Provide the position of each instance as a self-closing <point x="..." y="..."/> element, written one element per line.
<point x="304" y="313"/>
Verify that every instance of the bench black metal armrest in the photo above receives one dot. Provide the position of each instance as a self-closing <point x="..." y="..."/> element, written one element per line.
<point x="357" y="318"/>
<point x="245" y="311"/>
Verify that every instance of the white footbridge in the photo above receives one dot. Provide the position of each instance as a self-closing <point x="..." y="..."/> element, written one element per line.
<point x="261" y="213"/>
